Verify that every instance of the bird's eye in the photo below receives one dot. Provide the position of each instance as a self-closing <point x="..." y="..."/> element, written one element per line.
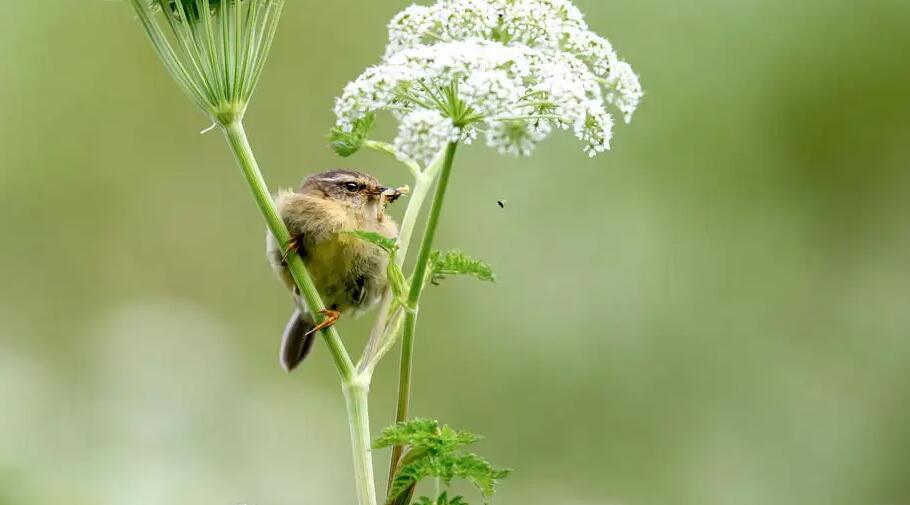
<point x="353" y="187"/>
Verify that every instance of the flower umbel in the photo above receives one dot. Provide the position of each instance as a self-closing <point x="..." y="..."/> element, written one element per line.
<point x="515" y="69"/>
<point x="214" y="49"/>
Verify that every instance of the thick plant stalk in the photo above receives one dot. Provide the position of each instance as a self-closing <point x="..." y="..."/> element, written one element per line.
<point x="355" y="387"/>
<point x="355" y="397"/>
<point x="417" y="284"/>
<point x="236" y="137"/>
<point x="216" y="56"/>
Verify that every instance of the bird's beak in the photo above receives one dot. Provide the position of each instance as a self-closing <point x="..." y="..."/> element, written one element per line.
<point x="378" y="194"/>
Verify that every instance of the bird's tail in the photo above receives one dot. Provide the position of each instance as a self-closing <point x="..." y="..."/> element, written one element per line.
<point x="297" y="339"/>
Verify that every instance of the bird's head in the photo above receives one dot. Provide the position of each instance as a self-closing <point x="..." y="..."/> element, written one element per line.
<point x="359" y="191"/>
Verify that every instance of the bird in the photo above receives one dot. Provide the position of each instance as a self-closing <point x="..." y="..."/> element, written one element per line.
<point x="349" y="273"/>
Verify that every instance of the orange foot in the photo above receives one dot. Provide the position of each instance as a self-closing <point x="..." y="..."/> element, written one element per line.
<point x="331" y="317"/>
<point x="291" y="247"/>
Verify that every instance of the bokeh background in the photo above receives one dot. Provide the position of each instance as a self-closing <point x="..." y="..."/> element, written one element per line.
<point x="715" y="312"/>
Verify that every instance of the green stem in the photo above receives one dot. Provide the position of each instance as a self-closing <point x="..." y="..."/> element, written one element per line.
<point x="422" y="184"/>
<point x="380" y="340"/>
<point x="404" y="385"/>
<point x="426" y="244"/>
<point x="236" y="137"/>
<point x="355" y="395"/>
<point x="417" y="283"/>
<point x="385" y="147"/>
<point x="355" y="388"/>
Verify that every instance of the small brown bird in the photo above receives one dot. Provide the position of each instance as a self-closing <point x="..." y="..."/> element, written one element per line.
<point x="349" y="273"/>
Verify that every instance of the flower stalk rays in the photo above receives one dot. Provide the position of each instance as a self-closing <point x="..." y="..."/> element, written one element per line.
<point x="215" y="50"/>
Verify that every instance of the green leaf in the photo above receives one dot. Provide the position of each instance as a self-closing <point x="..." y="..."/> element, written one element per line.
<point x="421" y="433"/>
<point x="447" y="466"/>
<point x="442" y="499"/>
<point x="403" y="498"/>
<point x="406" y="432"/>
<point x="456" y="263"/>
<point x="433" y="450"/>
<point x="397" y="281"/>
<point x="347" y="143"/>
<point x="476" y="470"/>
<point x="407" y="476"/>
<point x="388" y="244"/>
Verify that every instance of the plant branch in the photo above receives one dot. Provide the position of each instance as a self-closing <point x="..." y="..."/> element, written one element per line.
<point x="387" y="148"/>
<point x="236" y="137"/>
<point x="417" y="283"/>
<point x="426" y="244"/>
<point x="380" y="336"/>
<point x="422" y="186"/>
<point x="404" y="385"/>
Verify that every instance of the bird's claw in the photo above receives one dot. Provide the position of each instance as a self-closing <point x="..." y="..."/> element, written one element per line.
<point x="331" y="317"/>
<point x="293" y="243"/>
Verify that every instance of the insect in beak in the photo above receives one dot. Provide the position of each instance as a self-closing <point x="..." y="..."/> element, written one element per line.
<point x="392" y="194"/>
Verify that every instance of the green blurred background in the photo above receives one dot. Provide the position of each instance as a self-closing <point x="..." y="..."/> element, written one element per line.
<point x="715" y="312"/>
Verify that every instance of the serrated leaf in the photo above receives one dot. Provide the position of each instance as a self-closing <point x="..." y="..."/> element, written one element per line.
<point x="406" y="432"/>
<point x="478" y="471"/>
<point x="407" y="476"/>
<point x="388" y="244"/>
<point x="445" y="263"/>
<point x="433" y="451"/>
<point x="397" y="281"/>
<point x="447" y="466"/>
<point x="420" y="433"/>
<point x="347" y="143"/>
<point x="403" y="498"/>
<point x="442" y="499"/>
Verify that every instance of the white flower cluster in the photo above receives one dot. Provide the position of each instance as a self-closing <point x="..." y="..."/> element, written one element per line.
<point x="422" y="132"/>
<point x="514" y="69"/>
